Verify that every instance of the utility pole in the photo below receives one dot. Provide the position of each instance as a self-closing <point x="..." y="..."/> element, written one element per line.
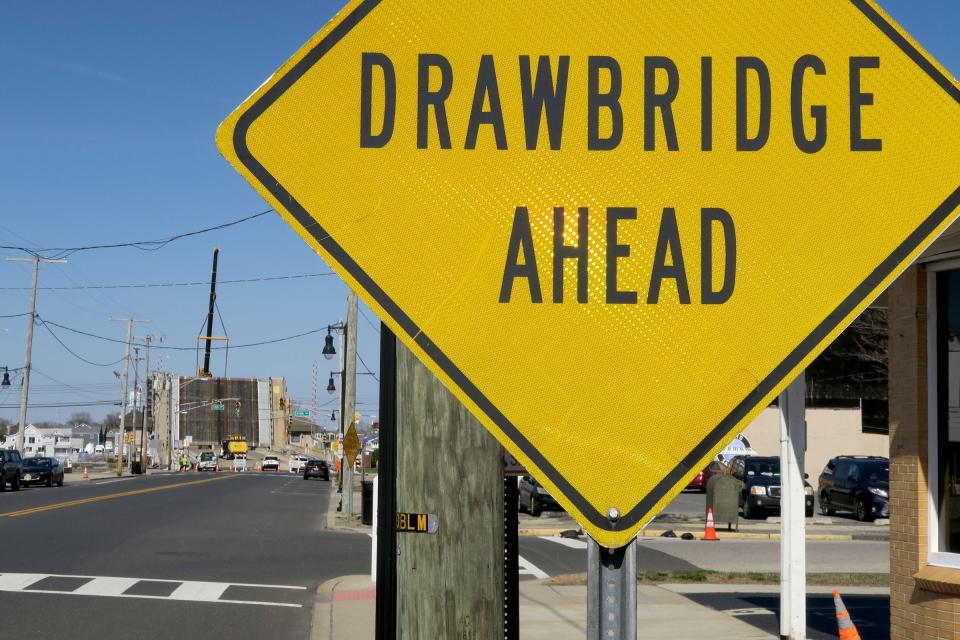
<point x="350" y="389"/>
<point x="148" y="393"/>
<point x="136" y="388"/>
<point x="123" y="400"/>
<point x="25" y="394"/>
<point x="449" y="583"/>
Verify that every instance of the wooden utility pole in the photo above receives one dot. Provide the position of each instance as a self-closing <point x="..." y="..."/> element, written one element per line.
<point x="123" y="399"/>
<point x="450" y="584"/>
<point x="32" y="318"/>
<point x="349" y="369"/>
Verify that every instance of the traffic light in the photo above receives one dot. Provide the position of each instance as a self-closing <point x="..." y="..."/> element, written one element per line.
<point x="237" y="408"/>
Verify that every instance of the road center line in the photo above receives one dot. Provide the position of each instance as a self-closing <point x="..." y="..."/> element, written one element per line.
<point x="122" y="494"/>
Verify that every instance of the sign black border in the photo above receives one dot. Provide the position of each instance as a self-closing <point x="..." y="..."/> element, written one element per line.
<point x="634" y="515"/>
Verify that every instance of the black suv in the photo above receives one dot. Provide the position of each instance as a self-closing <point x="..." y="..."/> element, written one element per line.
<point x="860" y="484"/>
<point x="10" y="469"/>
<point x="314" y="468"/>
<point x="760" y="485"/>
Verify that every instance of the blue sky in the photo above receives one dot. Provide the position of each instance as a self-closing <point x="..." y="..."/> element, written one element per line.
<point x="106" y="135"/>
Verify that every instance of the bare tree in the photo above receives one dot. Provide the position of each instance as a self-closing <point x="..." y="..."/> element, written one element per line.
<point x="80" y="417"/>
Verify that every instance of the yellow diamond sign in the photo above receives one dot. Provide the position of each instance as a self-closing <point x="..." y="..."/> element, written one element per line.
<point x="351" y="445"/>
<point x="614" y="230"/>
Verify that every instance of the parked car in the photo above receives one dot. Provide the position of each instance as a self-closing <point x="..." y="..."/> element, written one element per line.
<point x="270" y="463"/>
<point x="314" y="468"/>
<point x="41" y="470"/>
<point x="759" y="478"/>
<point x="296" y="463"/>
<point x="534" y="499"/>
<point x="10" y="467"/>
<point x="208" y="461"/>
<point x="699" y="481"/>
<point x="860" y="484"/>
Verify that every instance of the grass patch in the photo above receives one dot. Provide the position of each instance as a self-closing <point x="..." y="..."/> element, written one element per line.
<point x="736" y="577"/>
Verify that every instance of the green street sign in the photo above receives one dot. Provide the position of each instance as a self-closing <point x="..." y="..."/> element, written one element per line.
<point x="217" y="406"/>
<point x="302" y="413"/>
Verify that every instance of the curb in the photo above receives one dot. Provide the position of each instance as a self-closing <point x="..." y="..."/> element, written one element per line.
<point x="723" y="535"/>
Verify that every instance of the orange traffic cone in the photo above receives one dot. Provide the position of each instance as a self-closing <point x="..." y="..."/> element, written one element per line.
<point x="844" y="624"/>
<point x="86" y="475"/>
<point x="710" y="532"/>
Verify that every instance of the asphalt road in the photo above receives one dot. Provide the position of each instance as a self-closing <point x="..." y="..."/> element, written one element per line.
<point x="869" y="612"/>
<point x="192" y="555"/>
<point x="553" y="556"/>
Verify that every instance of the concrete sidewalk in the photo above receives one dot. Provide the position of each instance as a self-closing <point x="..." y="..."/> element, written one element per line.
<point x="345" y="608"/>
<point x="824" y="529"/>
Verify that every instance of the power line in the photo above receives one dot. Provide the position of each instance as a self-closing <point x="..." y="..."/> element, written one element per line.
<point x="152" y="285"/>
<point x="369" y="321"/>
<point x="18" y="315"/>
<point x="367" y="368"/>
<point x="64" y="405"/>
<point x="172" y="348"/>
<point x="94" y="390"/>
<point x="142" y="245"/>
<point x="71" y="351"/>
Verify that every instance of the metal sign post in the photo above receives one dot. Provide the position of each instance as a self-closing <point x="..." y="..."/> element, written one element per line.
<point x="611" y="592"/>
<point x="793" y="571"/>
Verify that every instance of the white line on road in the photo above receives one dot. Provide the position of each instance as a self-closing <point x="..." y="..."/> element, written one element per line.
<point x="112" y="587"/>
<point x="573" y="543"/>
<point x="200" y="591"/>
<point x="18" y="581"/>
<point x="530" y="569"/>
<point x="97" y="484"/>
<point x="106" y="587"/>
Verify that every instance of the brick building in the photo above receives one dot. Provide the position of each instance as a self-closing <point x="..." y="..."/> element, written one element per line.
<point x="924" y="321"/>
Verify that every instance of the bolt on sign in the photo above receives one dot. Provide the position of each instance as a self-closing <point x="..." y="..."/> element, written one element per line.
<point x="618" y="233"/>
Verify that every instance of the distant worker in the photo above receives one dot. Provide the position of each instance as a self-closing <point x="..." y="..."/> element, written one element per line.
<point x="184" y="462"/>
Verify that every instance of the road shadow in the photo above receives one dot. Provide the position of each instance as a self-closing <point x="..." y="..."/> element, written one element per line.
<point x="649" y="559"/>
<point x="870" y="613"/>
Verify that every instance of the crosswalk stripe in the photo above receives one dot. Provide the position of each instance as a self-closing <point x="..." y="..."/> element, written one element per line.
<point x="530" y="569"/>
<point x="573" y="543"/>
<point x="18" y="581"/>
<point x="199" y="591"/>
<point x="113" y="587"/>
<point x="105" y="587"/>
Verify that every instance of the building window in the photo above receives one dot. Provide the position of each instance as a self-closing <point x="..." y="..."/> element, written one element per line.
<point x="947" y="345"/>
<point x="31" y="439"/>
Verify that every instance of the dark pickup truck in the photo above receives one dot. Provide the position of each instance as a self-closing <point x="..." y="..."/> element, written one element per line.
<point x="10" y="469"/>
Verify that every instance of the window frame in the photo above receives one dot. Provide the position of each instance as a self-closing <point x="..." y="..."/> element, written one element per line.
<point x="934" y="555"/>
